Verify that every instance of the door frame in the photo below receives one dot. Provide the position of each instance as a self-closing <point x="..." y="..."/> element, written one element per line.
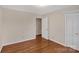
<point x="47" y="37"/>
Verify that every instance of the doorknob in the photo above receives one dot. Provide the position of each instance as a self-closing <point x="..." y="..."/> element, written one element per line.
<point x="76" y="33"/>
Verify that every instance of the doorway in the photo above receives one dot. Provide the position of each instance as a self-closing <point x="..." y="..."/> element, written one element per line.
<point x="38" y="26"/>
<point x="42" y="27"/>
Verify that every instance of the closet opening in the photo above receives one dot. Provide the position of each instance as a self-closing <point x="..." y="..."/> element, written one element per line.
<point x="39" y="28"/>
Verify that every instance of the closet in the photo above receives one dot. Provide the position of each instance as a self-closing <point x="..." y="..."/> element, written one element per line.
<point x="72" y="30"/>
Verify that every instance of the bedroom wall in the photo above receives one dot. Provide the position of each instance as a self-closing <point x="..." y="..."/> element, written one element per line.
<point x="18" y="26"/>
<point x="57" y="27"/>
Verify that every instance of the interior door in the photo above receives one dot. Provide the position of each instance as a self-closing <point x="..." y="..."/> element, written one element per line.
<point x="72" y="30"/>
<point x="68" y="30"/>
<point x="45" y="27"/>
<point x="76" y="31"/>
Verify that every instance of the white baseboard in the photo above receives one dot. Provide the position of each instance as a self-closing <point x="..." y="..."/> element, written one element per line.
<point x="71" y="46"/>
<point x="59" y="42"/>
<point x="56" y="42"/>
<point x="17" y="41"/>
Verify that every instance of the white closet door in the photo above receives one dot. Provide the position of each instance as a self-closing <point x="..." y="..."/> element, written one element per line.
<point x="72" y="30"/>
<point x="76" y="31"/>
<point x="68" y="30"/>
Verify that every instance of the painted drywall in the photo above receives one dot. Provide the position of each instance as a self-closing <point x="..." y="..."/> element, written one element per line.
<point x="38" y="26"/>
<point x="56" y="27"/>
<point x="18" y="26"/>
<point x="0" y="28"/>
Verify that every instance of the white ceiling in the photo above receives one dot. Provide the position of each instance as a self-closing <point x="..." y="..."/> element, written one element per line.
<point x="37" y="9"/>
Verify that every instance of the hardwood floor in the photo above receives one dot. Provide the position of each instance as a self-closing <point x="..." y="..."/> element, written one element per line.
<point x="38" y="45"/>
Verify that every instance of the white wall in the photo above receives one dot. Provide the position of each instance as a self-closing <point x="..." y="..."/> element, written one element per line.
<point x="18" y="26"/>
<point x="57" y="27"/>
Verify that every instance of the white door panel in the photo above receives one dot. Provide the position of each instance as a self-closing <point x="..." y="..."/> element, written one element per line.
<point x="76" y="31"/>
<point x="68" y="30"/>
<point x="72" y="30"/>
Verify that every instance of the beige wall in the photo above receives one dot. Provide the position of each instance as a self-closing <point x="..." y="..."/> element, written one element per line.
<point x="56" y="27"/>
<point x="18" y="26"/>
